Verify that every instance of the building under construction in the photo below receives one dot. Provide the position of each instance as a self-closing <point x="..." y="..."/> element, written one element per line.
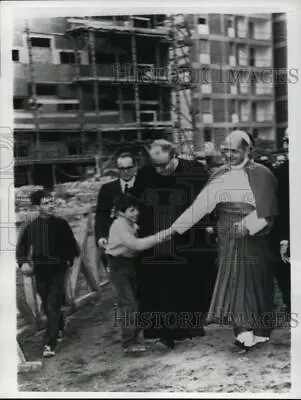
<point x="87" y="87"/>
<point x="84" y="88"/>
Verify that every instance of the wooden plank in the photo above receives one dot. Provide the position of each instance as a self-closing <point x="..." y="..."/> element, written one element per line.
<point x="89" y="271"/>
<point x="31" y="298"/>
<point x="26" y="312"/>
<point x="83" y="300"/>
<point x="29" y="366"/>
<point x="26" y="366"/>
<point x="73" y="273"/>
<point x="21" y="357"/>
<point x="90" y="277"/>
<point x="101" y="271"/>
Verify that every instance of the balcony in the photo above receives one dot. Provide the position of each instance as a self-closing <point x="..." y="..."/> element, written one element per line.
<point x="231" y="32"/>
<point x="242" y="33"/>
<point x="233" y="89"/>
<point x="244" y="114"/>
<point x="262" y="35"/>
<point x="260" y="16"/>
<point x="261" y="89"/>
<point x="57" y="155"/>
<point x="243" y="60"/>
<point x="203" y="29"/>
<point x="263" y="62"/>
<point x="244" y="88"/>
<point x="136" y="24"/>
<point x="234" y="118"/>
<point x="207" y="118"/>
<point x="264" y="116"/>
<point x="70" y="120"/>
<point x="232" y="61"/>
<point x="206" y="88"/>
<point x="205" y="58"/>
<point x="245" y="117"/>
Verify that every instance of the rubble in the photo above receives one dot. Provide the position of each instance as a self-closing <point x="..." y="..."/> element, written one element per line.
<point x="74" y="200"/>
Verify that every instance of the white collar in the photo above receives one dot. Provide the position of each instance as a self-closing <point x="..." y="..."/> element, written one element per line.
<point x="129" y="183"/>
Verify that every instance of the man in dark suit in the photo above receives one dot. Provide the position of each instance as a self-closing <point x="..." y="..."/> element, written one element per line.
<point x="176" y="278"/>
<point x="282" y="230"/>
<point x="109" y="192"/>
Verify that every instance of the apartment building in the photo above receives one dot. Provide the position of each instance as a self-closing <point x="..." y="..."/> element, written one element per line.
<point x="280" y="63"/>
<point x="231" y="59"/>
<point x="84" y="87"/>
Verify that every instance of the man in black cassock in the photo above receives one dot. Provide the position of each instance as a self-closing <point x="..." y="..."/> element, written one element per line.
<point x="176" y="278"/>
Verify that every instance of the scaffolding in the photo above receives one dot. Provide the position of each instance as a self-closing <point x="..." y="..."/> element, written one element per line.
<point x="187" y="91"/>
<point x="88" y="29"/>
<point x="153" y="116"/>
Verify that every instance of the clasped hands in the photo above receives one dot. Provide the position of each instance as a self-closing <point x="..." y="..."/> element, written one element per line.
<point x="165" y="234"/>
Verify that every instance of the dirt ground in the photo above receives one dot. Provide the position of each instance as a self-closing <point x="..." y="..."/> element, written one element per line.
<point x="91" y="360"/>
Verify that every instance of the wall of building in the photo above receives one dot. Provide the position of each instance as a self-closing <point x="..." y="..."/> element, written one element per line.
<point x="280" y="62"/>
<point x="233" y="49"/>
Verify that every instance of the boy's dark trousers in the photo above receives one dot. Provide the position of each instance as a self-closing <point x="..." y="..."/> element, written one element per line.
<point x="50" y="283"/>
<point x="123" y="277"/>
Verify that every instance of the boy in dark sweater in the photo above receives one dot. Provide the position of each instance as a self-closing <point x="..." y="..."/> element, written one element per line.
<point x="122" y="250"/>
<point x="46" y="248"/>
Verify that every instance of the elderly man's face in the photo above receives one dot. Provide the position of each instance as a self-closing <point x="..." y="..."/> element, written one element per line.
<point x="233" y="152"/>
<point x="160" y="159"/>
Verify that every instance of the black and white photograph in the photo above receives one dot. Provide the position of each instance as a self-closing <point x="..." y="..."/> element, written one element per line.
<point x="151" y="191"/>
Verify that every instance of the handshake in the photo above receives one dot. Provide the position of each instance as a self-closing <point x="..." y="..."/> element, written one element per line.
<point x="164" y="235"/>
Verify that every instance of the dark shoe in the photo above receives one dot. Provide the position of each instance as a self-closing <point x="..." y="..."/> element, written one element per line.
<point x="168" y="342"/>
<point x="243" y="349"/>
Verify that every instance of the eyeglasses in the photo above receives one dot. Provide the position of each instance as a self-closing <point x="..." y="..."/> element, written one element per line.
<point x="126" y="168"/>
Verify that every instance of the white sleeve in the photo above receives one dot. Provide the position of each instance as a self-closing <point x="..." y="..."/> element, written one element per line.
<point x="253" y="223"/>
<point x="204" y="204"/>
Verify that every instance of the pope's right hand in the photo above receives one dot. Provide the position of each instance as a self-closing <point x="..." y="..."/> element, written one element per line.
<point x="27" y="269"/>
<point x="102" y="242"/>
<point x="164" y="235"/>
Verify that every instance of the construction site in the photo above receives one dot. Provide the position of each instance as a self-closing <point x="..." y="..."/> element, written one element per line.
<point x="87" y="88"/>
